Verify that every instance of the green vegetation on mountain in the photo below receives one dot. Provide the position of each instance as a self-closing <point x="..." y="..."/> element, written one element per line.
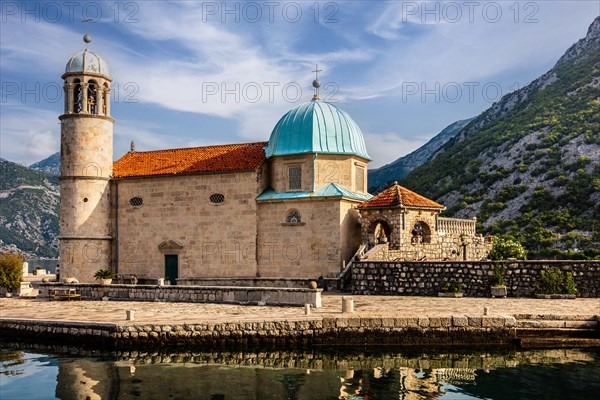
<point x="529" y="167"/>
<point x="29" y="210"/>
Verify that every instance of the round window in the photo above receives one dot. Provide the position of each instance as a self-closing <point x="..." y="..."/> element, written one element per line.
<point x="136" y="201"/>
<point x="217" y="198"/>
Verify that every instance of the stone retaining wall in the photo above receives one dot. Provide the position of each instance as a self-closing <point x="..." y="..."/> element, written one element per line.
<point x="426" y="278"/>
<point x="193" y="294"/>
<point x="318" y="331"/>
<point x="300" y="283"/>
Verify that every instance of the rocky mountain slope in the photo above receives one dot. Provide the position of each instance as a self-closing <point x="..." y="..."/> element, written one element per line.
<point x="29" y="210"/>
<point x="529" y="166"/>
<point x="50" y="165"/>
<point x="382" y="177"/>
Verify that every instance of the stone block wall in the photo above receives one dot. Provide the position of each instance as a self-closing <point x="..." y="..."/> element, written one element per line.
<point x="309" y="249"/>
<point x="458" y="330"/>
<point x="426" y="278"/>
<point x="446" y="247"/>
<point x="192" y="294"/>
<point x="215" y="239"/>
<point x="86" y="167"/>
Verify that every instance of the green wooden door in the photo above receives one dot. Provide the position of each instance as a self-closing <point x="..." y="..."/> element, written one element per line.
<point x="171" y="268"/>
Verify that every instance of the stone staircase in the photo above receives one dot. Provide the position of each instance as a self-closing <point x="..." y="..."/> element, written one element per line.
<point x="554" y="330"/>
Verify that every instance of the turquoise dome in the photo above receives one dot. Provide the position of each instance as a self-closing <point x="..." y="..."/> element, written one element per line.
<point x="87" y="61"/>
<point x="316" y="127"/>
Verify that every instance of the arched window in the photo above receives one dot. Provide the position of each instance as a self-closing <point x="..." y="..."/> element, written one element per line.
<point x="92" y="98"/>
<point x="381" y="232"/>
<point x="421" y="233"/>
<point x="77" y="97"/>
<point x="105" y="99"/>
<point x="293" y="217"/>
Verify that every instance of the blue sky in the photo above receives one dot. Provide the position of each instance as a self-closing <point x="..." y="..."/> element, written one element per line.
<point x="191" y="73"/>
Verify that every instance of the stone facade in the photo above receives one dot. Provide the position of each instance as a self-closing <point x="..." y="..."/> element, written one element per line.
<point x="210" y="239"/>
<point x="317" y="246"/>
<point x="319" y="170"/>
<point x="427" y="278"/>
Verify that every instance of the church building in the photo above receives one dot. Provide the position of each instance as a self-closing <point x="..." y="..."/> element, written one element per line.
<point x="291" y="207"/>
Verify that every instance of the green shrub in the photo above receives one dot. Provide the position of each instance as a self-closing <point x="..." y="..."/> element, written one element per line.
<point x="498" y="275"/>
<point x="555" y="281"/>
<point x="452" y="287"/>
<point x="11" y="269"/>
<point x="104" y="273"/>
<point x="503" y="249"/>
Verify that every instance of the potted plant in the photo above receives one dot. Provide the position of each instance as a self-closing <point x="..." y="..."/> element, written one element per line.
<point x="105" y="275"/>
<point x="555" y="284"/>
<point x="498" y="285"/>
<point x="451" y="289"/>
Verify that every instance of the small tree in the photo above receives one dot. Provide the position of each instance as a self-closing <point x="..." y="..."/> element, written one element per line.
<point x="503" y="249"/>
<point x="555" y="281"/>
<point x="11" y="269"/>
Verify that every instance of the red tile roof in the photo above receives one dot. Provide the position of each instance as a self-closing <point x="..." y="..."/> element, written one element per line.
<point x="223" y="158"/>
<point x="397" y="195"/>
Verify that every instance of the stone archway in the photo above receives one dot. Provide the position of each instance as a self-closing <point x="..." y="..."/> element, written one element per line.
<point x="421" y="233"/>
<point x="379" y="232"/>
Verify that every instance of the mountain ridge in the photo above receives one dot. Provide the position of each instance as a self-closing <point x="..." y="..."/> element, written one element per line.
<point x="382" y="177"/>
<point x="529" y="166"/>
<point x="29" y="210"/>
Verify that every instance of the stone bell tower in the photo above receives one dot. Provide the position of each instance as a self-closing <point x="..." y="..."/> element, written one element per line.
<point x="86" y="153"/>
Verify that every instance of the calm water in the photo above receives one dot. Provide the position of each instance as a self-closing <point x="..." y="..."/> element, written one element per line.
<point x="508" y="374"/>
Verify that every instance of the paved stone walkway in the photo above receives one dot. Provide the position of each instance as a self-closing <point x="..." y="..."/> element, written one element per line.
<point x="371" y="306"/>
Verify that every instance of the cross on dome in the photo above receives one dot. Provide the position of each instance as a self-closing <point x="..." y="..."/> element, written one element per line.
<point x="316" y="84"/>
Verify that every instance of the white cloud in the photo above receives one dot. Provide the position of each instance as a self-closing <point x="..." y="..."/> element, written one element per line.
<point x="174" y="57"/>
<point x="29" y="134"/>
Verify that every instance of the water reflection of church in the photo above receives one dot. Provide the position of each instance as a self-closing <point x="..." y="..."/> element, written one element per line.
<point x="92" y="379"/>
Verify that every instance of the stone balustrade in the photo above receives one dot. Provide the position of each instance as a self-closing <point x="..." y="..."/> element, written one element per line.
<point x="457" y="226"/>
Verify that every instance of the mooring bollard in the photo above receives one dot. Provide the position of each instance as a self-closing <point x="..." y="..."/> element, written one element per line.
<point x="307" y="309"/>
<point x="486" y="311"/>
<point x="130" y="315"/>
<point x="347" y="304"/>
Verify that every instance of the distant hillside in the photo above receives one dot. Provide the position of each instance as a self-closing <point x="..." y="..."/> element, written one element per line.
<point x="382" y="177"/>
<point x="529" y="166"/>
<point x="50" y="165"/>
<point x="29" y="210"/>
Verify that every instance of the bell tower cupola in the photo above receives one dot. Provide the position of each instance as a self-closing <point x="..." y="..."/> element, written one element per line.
<point x="86" y="166"/>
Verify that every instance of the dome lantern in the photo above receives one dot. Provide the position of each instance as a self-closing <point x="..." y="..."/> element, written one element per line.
<point x="87" y="62"/>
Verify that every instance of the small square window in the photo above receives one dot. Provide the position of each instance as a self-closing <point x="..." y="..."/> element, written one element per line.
<point x="294" y="178"/>
<point x="360" y="179"/>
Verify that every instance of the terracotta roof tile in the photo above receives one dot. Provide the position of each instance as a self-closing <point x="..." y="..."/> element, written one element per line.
<point x="223" y="158"/>
<point x="397" y="195"/>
